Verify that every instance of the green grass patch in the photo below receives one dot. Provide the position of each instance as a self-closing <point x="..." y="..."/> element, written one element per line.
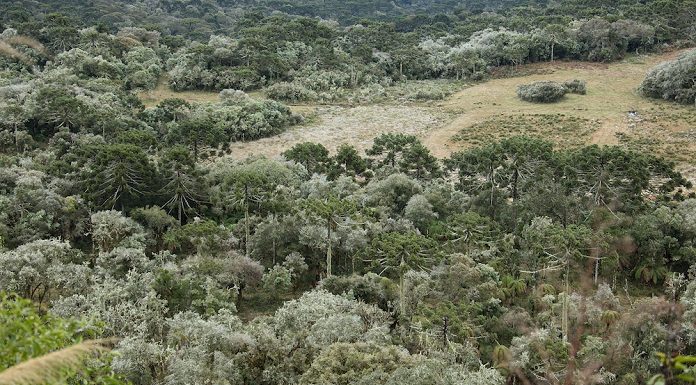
<point x="565" y="131"/>
<point x="668" y="131"/>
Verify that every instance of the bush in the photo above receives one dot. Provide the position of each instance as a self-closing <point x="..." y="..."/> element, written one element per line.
<point x="369" y="288"/>
<point x="230" y="97"/>
<point x="674" y="80"/>
<point x="541" y="92"/>
<point x="291" y="92"/>
<point x="576" y="86"/>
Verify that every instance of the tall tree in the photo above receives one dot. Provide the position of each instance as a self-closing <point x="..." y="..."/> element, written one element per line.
<point x="331" y="210"/>
<point x="182" y="183"/>
<point x="120" y="176"/>
<point x="397" y="253"/>
<point x="248" y="186"/>
<point x="313" y="156"/>
<point x="198" y="130"/>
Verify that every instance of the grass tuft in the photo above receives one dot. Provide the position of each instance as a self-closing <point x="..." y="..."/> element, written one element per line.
<point x="56" y="366"/>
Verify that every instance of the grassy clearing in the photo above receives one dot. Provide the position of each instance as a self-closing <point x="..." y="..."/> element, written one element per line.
<point x="422" y="90"/>
<point x="151" y="98"/>
<point x="333" y="126"/>
<point x="563" y="130"/>
<point x="491" y="110"/>
<point x="450" y="116"/>
<point x="667" y="131"/>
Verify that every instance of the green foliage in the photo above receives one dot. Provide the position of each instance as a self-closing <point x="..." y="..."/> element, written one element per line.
<point x="674" y="80"/>
<point x="369" y="288"/>
<point x="278" y="280"/>
<point x="576" y="86"/>
<point x="681" y="367"/>
<point x="347" y="161"/>
<point x="201" y="237"/>
<point x="349" y="363"/>
<point x="120" y="176"/>
<point x="192" y="293"/>
<point x="542" y="92"/>
<point x="396" y="253"/>
<point x="501" y="256"/>
<point x="314" y="157"/>
<point x="27" y="334"/>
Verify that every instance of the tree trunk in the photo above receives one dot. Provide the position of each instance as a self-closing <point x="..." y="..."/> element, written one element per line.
<point x="564" y="322"/>
<point x="239" y="296"/>
<point x="246" y="221"/>
<point x="553" y="45"/>
<point x="274" y="250"/>
<point x="402" y="304"/>
<point x="328" y="248"/>
<point x="16" y="142"/>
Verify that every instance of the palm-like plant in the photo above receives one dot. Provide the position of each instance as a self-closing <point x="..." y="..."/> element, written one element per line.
<point x="501" y="356"/>
<point x="512" y="287"/>
<point x="651" y="272"/>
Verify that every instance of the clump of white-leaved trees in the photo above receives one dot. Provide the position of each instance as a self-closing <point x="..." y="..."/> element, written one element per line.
<point x="673" y="80"/>
<point x="550" y="91"/>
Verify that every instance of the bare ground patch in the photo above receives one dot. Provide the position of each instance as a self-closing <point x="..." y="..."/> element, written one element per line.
<point x="357" y="126"/>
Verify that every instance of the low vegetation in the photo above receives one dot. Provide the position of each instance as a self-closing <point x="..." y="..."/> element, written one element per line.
<point x="542" y="92"/>
<point x="566" y="131"/>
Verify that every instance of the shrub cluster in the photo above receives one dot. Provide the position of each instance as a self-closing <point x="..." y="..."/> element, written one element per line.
<point x="576" y="86"/>
<point x="673" y="80"/>
<point x="542" y="92"/>
<point x="549" y="91"/>
<point x="291" y="92"/>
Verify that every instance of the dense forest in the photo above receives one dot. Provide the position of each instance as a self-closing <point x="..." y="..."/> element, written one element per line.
<point x="135" y="250"/>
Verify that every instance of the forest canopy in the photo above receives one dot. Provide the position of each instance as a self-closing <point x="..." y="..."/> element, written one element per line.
<point x="136" y="246"/>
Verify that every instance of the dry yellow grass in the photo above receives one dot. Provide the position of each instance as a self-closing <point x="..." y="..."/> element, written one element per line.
<point x="333" y="126"/>
<point x="53" y="367"/>
<point x="7" y="48"/>
<point x="151" y="98"/>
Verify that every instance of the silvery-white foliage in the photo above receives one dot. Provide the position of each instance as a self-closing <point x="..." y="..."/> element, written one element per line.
<point x="120" y="260"/>
<point x="111" y="229"/>
<point x="419" y="211"/>
<point x="688" y="300"/>
<point x="41" y="269"/>
<point x="126" y="307"/>
<point x="335" y="328"/>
